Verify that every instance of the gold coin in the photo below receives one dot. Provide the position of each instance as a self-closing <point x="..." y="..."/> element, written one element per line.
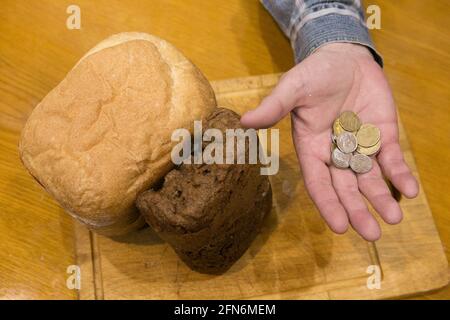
<point x="368" y="151"/>
<point x="337" y="128"/>
<point x="368" y="135"/>
<point x="349" y="121"/>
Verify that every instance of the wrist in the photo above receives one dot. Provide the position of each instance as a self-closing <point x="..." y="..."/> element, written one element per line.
<point x="348" y="48"/>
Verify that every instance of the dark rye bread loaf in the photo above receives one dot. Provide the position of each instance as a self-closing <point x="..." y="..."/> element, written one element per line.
<point x="209" y="214"/>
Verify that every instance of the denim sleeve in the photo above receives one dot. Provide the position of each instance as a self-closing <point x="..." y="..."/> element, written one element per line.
<point x="309" y="24"/>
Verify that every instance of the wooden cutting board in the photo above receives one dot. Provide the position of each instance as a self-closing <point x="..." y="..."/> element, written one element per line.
<point x="294" y="257"/>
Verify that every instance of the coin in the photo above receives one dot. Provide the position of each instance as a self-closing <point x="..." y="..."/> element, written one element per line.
<point x="368" y="135"/>
<point x="337" y="128"/>
<point x="347" y="142"/>
<point x="360" y="163"/>
<point x="333" y="138"/>
<point x="340" y="160"/>
<point x="370" y="150"/>
<point x="349" y="121"/>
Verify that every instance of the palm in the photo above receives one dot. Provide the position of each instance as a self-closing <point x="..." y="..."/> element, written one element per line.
<point x="356" y="84"/>
<point x="315" y="92"/>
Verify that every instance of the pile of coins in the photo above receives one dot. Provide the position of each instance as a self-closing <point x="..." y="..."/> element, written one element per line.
<point x="354" y="143"/>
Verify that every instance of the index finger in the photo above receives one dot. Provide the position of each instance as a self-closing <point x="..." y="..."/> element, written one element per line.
<point x="318" y="184"/>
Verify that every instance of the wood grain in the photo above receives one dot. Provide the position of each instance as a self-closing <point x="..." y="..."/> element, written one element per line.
<point x="295" y="256"/>
<point x="225" y="39"/>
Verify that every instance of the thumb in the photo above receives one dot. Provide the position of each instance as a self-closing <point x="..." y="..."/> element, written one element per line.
<point x="287" y="95"/>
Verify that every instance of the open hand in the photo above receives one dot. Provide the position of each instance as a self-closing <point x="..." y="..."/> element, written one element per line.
<point x="338" y="77"/>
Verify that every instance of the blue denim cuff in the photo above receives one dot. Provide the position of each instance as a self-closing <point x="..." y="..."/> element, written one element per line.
<point x="331" y="28"/>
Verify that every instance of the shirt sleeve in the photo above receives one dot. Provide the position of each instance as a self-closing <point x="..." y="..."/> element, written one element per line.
<point x="309" y="24"/>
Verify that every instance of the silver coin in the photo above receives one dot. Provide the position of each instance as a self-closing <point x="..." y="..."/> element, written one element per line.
<point x="333" y="138"/>
<point x="360" y="163"/>
<point x="340" y="160"/>
<point x="346" y="142"/>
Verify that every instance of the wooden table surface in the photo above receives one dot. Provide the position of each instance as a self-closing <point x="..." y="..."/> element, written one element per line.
<point x="225" y="39"/>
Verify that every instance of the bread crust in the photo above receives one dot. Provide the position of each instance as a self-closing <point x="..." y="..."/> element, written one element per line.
<point x="210" y="213"/>
<point x="104" y="133"/>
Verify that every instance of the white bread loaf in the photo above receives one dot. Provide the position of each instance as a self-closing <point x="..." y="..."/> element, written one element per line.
<point x="103" y="134"/>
